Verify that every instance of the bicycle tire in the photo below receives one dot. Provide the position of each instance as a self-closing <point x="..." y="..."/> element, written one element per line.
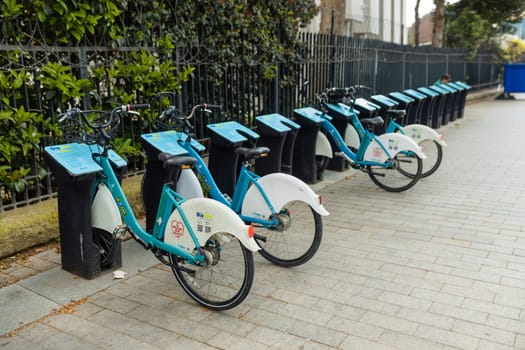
<point x="434" y="153"/>
<point x="207" y="288"/>
<point x="106" y="245"/>
<point x="321" y="163"/>
<point x="293" y="245"/>
<point x="397" y="178"/>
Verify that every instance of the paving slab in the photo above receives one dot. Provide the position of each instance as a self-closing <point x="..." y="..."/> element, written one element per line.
<point x="37" y="296"/>
<point x="20" y="306"/>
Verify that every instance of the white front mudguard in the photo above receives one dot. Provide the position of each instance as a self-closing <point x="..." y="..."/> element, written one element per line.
<point x="322" y="146"/>
<point x="206" y="217"/>
<point x="188" y="185"/>
<point x="394" y="143"/>
<point x="418" y="133"/>
<point x="352" y="139"/>
<point x="280" y="189"/>
<point x="104" y="212"/>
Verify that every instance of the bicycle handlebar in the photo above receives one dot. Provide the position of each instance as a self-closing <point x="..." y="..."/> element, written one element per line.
<point x="171" y="111"/>
<point x="338" y="94"/>
<point x="80" y="116"/>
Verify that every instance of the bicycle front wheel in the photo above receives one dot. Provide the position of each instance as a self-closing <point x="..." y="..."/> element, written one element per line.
<point x="225" y="281"/>
<point x="434" y="153"/>
<point x="106" y="244"/>
<point x="296" y="238"/>
<point x="401" y="176"/>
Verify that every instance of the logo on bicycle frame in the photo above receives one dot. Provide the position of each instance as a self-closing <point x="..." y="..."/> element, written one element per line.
<point x="177" y="228"/>
<point x="378" y="152"/>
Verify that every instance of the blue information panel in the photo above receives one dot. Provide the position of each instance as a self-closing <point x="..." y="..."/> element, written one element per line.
<point x="365" y="104"/>
<point x="401" y="97"/>
<point x="439" y="89"/>
<point x="278" y="122"/>
<point x="342" y="109"/>
<point x="384" y="100"/>
<point x="112" y="155"/>
<point x="76" y="158"/>
<point x="462" y="84"/>
<point x="427" y="91"/>
<point x="312" y="114"/>
<point x="232" y="131"/>
<point x="416" y="94"/>
<point x="168" y="141"/>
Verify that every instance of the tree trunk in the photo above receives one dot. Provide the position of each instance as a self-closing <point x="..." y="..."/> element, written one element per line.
<point x="439" y="23"/>
<point x="416" y="24"/>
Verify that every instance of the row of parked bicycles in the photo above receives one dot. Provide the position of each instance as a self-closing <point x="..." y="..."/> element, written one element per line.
<point x="208" y="237"/>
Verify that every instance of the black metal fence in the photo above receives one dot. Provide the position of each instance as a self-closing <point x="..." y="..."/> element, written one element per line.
<point x="244" y="93"/>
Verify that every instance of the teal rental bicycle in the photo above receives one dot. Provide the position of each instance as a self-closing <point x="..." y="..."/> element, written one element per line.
<point x="204" y="242"/>
<point x="427" y="138"/>
<point x="285" y="212"/>
<point x="393" y="161"/>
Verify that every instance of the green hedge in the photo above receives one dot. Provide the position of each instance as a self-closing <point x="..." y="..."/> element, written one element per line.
<point x="141" y="40"/>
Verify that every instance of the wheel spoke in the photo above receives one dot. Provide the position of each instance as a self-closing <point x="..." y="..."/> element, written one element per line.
<point x="296" y="239"/>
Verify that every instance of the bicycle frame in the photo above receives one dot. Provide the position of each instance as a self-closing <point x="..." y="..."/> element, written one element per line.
<point x="417" y="132"/>
<point x="366" y="138"/>
<point x="169" y="201"/>
<point x="393" y="126"/>
<point x="245" y="179"/>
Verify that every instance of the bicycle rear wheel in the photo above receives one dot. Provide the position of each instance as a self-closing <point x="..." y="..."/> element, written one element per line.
<point x="403" y="175"/>
<point x="225" y="281"/>
<point x="295" y="240"/>
<point x="434" y="153"/>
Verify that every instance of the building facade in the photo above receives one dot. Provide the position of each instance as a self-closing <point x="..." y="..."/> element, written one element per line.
<point x="373" y="19"/>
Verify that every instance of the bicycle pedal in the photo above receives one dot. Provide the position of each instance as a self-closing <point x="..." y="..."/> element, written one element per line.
<point x="120" y="231"/>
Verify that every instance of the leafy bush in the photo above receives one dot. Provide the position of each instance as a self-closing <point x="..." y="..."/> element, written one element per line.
<point x="147" y="36"/>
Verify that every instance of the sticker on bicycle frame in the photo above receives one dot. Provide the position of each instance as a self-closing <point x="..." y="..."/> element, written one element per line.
<point x="377" y="152"/>
<point x="177" y="228"/>
<point x="415" y="134"/>
<point x="204" y="222"/>
<point x="393" y="144"/>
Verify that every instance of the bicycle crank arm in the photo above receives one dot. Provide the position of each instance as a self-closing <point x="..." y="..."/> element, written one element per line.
<point x="371" y="172"/>
<point x="159" y="254"/>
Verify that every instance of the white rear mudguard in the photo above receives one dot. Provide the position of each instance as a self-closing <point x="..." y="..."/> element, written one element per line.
<point x="418" y="133"/>
<point x="280" y="189"/>
<point x="104" y="212"/>
<point x="394" y="143"/>
<point x="322" y="146"/>
<point x="352" y="139"/>
<point x="188" y="186"/>
<point x="206" y="217"/>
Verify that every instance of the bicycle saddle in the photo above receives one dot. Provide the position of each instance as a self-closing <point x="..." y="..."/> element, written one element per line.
<point x="171" y="161"/>
<point x="372" y="121"/>
<point x="252" y="153"/>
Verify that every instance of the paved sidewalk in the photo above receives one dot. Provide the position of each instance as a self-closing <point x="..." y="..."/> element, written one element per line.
<point x="441" y="266"/>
